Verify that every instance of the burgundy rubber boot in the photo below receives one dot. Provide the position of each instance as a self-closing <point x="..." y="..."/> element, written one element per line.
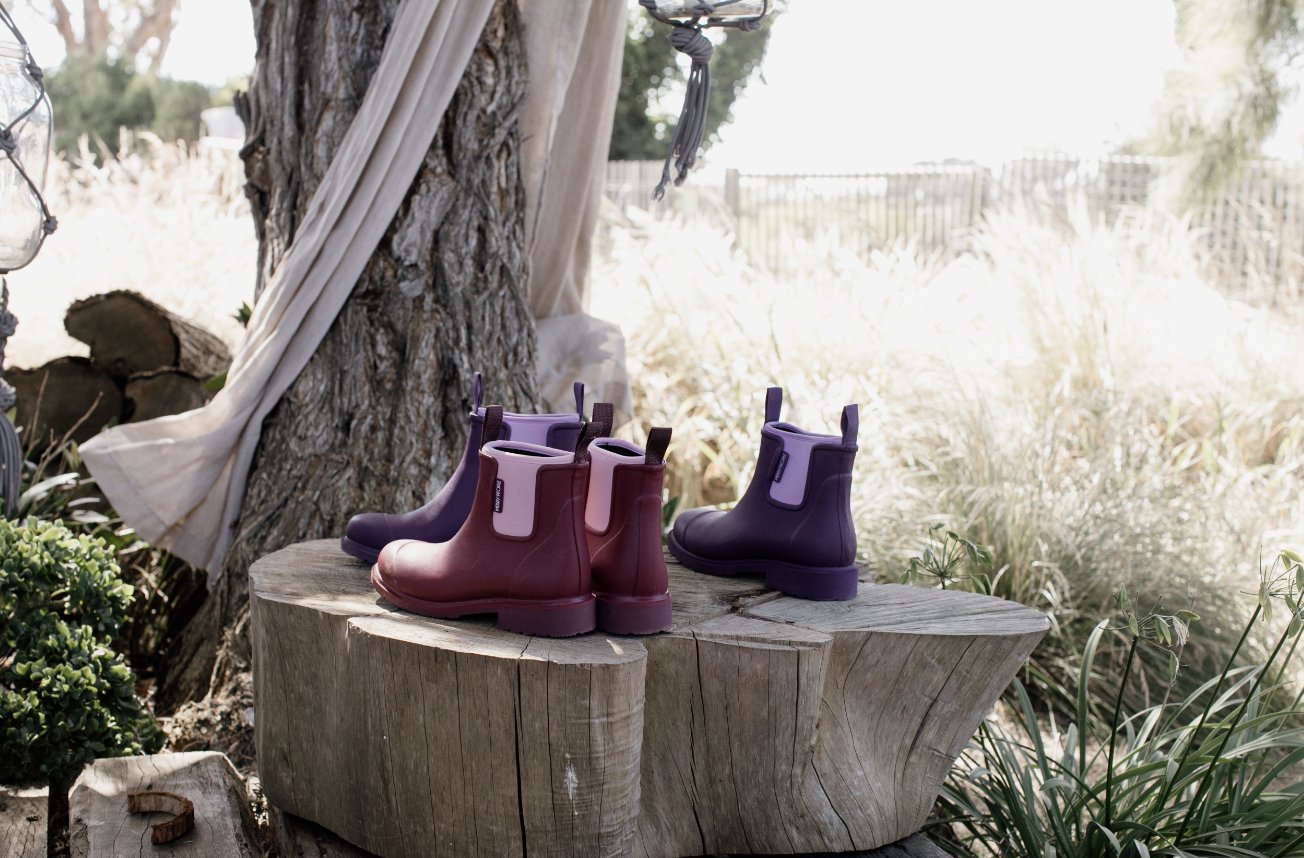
<point x="521" y="553"/>
<point x="622" y="519"/>
<point x="793" y="524"/>
<point x="368" y="532"/>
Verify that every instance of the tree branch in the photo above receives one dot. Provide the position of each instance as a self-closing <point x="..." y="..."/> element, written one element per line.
<point x="156" y="24"/>
<point x="63" y="23"/>
<point x="95" y="28"/>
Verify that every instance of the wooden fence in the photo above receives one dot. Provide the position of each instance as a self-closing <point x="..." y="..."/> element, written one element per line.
<point x="1254" y="232"/>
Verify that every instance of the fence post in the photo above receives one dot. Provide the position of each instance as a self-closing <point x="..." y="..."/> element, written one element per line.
<point x="731" y="191"/>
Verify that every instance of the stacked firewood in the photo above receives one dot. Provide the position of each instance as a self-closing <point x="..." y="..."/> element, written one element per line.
<point x="145" y="362"/>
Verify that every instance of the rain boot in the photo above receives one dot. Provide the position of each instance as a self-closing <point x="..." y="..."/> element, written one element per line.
<point x="793" y="524"/>
<point x="521" y="553"/>
<point x="368" y="532"/>
<point x="622" y="520"/>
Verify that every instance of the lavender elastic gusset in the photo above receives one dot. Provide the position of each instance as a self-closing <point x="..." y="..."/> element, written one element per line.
<point x="805" y="549"/>
<point x="439" y="519"/>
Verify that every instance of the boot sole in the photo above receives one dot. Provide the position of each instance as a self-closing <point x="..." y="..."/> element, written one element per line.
<point x="551" y="618"/>
<point x="817" y="583"/>
<point x="365" y="553"/>
<point x="633" y="615"/>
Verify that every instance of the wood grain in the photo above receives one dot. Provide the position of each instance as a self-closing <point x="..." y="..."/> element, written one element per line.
<point x="760" y="724"/>
<point x="100" y="826"/>
<point x="22" y="822"/>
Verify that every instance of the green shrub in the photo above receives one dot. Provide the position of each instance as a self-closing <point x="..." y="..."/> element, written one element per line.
<point x="65" y="696"/>
<point x="96" y="97"/>
<point x="1215" y="773"/>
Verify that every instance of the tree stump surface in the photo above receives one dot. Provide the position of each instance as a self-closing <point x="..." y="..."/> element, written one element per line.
<point x="23" y="822"/>
<point x="760" y="724"/>
<point x="101" y="827"/>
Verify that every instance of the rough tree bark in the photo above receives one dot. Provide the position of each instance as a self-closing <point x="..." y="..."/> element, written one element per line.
<point x="378" y="417"/>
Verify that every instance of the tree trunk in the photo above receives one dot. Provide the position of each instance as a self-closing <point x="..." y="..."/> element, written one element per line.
<point x="377" y="419"/>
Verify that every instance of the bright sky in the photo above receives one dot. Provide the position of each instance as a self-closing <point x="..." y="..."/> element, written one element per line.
<point x="857" y="84"/>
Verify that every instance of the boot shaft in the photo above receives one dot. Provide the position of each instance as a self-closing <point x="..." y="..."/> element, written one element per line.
<point x="623" y="516"/>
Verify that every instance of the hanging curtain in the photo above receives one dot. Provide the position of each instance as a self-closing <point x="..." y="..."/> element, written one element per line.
<point x="180" y="480"/>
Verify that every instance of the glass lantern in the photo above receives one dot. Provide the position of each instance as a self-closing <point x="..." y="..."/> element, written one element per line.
<point x="722" y="13"/>
<point x="22" y="215"/>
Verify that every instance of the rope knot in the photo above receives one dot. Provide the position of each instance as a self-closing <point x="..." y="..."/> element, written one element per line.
<point x="34" y="71"/>
<point x="690" y="41"/>
<point x="50" y="224"/>
<point x="8" y="144"/>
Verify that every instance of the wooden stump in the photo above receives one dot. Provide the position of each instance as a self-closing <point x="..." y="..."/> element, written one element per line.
<point x="23" y="822"/>
<point x="759" y="724"/>
<point x="100" y="826"/>
<point x="128" y="334"/>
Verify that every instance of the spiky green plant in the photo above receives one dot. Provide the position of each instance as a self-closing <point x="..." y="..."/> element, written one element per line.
<point x="1215" y="773"/>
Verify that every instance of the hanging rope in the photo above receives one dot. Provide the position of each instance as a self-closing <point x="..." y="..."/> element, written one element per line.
<point x="11" y="454"/>
<point x="687" y="39"/>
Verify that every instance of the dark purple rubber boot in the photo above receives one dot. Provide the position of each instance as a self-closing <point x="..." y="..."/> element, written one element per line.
<point x="793" y="524"/>
<point x="369" y="532"/>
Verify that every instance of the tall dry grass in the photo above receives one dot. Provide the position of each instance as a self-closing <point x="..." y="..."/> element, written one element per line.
<point x="166" y="220"/>
<point x="1074" y="394"/>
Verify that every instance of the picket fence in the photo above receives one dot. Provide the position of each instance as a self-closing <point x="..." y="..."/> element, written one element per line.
<point x="1253" y="232"/>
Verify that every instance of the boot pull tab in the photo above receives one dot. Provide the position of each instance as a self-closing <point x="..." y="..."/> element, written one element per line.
<point x="850" y="425"/>
<point x="477" y="391"/>
<point x="773" y="403"/>
<point x="493" y="424"/>
<point x="579" y="399"/>
<point x="604" y="414"/>
<point x="658" y="439"/>
<point x="598" y="427"/>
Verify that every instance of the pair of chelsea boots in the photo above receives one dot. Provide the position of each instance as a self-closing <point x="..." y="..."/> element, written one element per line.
<point x="560" y="529"/>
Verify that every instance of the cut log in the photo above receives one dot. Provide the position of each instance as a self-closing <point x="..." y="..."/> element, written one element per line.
<point x="128" y="333"/>
<point x="163" y="392"/>
<point x="22" y="822"/>
<point x="101" y="827"/>
<point x="759" y="724"/>
<point x="65" y="393"/>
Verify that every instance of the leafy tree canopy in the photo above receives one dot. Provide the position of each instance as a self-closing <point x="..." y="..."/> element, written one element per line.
<point x="97" y="96"/>
<point x="651" y="73"/>
<point x="1224" y="98"/>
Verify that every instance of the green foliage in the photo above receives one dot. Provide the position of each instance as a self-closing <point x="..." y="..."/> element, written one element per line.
<point x="65" y="696"/>
<point x="96" y="97"/>
<point x="1225" y="96"/>
<point x="1214" y="773"/>
<point x="650" y="72"/>
<point x="950" y="560"/>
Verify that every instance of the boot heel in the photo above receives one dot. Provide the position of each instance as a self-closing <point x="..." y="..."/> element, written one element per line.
<point x="633" y="615"/>
<point x="823" y="585"/>
<point x="560" y="618"/>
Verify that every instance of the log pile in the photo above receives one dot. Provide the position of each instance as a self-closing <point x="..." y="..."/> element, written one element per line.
<point x="145" y="362"/>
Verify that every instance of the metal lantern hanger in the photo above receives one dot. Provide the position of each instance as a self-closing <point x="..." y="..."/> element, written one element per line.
<point x="689" y="18"/>
<point x="25" y="220"/>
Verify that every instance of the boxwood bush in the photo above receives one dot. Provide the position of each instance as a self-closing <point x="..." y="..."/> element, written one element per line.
<point x="66" y="697"/>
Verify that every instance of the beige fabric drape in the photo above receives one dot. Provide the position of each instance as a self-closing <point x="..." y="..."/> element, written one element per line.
<point x="574" y="50"/>
<point x="180" y="481"/>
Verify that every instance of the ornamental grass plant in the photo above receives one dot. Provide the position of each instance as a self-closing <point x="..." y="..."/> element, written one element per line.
<point x="1218" y="772"/>
<point x="1076" y="397"/>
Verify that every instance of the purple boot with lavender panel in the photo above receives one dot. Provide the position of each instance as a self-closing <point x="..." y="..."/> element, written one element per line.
<point x="368" y="533"/>
<point x="793" y="524"/>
